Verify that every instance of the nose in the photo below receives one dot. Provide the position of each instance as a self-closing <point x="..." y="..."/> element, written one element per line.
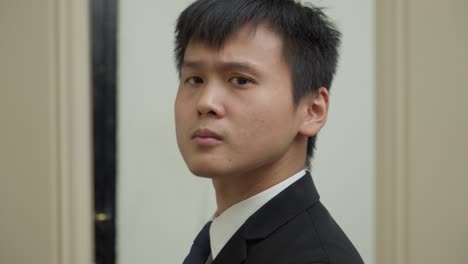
<point x="211" y="100"/>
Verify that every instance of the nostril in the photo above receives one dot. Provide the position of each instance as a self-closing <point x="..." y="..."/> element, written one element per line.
<point x="209" y="113"/>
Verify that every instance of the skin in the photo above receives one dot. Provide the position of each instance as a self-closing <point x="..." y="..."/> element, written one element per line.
<point x="243" y="93"/>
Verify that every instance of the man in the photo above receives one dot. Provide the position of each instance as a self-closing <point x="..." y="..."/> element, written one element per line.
<point x="253" y="94"/>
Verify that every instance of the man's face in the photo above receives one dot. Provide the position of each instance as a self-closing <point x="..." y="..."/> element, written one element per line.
<point x="234" y="108"/>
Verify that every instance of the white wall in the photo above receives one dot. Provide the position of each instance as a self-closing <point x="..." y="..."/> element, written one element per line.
<point x="161" y="206"/>
<point x="344" y="167"/>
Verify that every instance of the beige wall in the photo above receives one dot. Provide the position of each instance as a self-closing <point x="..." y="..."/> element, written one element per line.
<point x="45" y="209"/>
<point x="423" y="128"/>
<point x="438" y="131"/>
<point x="28" y="195"/>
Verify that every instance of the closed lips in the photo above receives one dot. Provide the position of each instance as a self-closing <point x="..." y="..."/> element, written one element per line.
<point x="206" y="133"/>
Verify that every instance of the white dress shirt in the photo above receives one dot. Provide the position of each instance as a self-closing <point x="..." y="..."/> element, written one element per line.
<point x="225" y="225"/>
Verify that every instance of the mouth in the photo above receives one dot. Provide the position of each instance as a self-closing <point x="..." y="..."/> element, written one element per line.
<point x="206" y="137"/>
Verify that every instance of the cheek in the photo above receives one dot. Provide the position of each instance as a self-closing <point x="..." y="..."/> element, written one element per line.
<point x="272" y="109"/>
<point x="181" y="115"/>
<point x="182" y="107"/>
<point x="177" y="114"/>
<point x="265" y="124"/>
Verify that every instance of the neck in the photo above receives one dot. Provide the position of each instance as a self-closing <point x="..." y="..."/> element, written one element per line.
<point x="236" y="188"/>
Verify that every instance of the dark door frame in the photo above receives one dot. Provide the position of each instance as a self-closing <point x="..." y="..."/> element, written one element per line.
<point x="104" y="92"/>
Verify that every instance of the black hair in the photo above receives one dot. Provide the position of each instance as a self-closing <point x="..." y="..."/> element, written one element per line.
<point x="310" y="40"/>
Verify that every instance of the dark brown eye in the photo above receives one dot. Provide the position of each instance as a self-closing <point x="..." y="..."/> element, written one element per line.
<point x="240" y="80"/>
<point x="194" y="80"/>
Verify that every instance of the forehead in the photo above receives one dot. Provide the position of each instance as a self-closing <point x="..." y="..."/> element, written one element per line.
<point x="258" y="45"/>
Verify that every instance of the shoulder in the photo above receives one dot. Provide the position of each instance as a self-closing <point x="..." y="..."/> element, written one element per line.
<point x="333" y="240"/>
<point x="312" y="236"/>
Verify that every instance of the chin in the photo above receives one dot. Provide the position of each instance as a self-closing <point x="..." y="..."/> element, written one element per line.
<point x="206" y="170"/>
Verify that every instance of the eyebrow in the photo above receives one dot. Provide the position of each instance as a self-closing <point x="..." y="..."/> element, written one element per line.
<point x="232" y="65"/>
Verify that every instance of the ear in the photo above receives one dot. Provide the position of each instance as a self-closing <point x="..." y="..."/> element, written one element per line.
<point x="314" y="108"/>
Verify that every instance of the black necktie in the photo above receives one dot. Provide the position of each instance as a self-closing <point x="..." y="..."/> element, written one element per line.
<point x="200" y="249"/>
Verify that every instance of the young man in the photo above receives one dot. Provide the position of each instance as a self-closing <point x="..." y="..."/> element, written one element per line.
<point x="253" y="94"/>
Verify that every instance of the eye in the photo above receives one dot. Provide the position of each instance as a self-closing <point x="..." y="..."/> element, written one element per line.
<point x="239" y="80"/>
<point x="194" y="80"/>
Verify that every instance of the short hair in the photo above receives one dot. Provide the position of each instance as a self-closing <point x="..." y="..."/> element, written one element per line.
<point x="310" y="39"/>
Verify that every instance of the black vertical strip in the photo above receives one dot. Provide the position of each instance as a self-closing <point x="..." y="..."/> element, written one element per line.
<point x="104" y="58"/>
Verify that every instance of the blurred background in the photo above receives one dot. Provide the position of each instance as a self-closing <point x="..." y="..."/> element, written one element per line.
<point x="89" y="166"/>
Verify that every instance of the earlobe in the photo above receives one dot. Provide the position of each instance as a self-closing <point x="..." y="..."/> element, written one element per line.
<point x="315" y="110"/>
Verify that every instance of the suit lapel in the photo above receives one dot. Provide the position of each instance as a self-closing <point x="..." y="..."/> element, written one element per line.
<point x="283" y="207"/>
<point x="276" y="212"/>
<point x="234" y="252"/>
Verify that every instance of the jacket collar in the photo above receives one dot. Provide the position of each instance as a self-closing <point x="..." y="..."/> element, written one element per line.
<point x="275" y="213"/>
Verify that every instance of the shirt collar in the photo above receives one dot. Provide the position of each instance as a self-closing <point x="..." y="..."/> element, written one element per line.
<point x="226" y="224"/>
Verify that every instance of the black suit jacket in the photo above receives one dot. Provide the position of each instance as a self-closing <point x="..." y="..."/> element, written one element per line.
<point x="292" y="228"/>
